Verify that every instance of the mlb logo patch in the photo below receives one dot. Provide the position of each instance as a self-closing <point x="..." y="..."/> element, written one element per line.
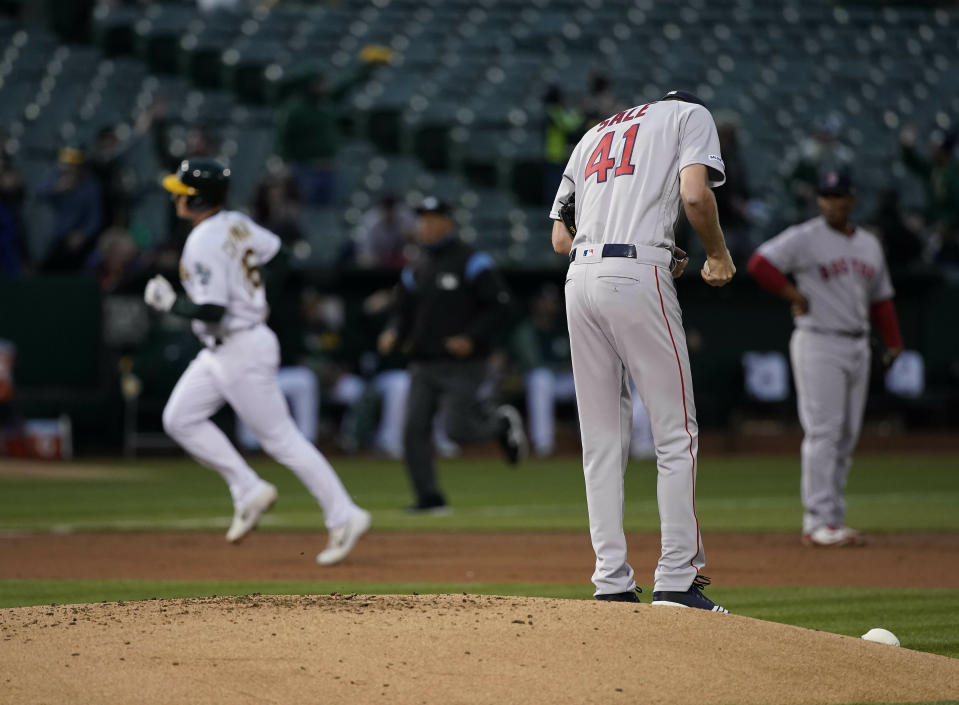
<point x="589" y="253"/>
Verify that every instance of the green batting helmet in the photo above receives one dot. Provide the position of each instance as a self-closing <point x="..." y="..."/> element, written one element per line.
<point x="202" y="180"/>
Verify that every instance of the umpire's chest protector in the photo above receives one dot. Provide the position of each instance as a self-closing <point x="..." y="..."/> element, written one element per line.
<point x="443" y="285"/>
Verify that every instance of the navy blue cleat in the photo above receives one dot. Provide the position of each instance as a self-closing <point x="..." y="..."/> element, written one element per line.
<point x="632" y="596"/>
<point x="693" y="597"/>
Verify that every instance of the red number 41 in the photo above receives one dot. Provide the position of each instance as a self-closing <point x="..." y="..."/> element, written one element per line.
<point x="600" y="162"/>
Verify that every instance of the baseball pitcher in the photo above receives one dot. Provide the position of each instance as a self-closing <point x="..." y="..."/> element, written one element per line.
<point x="625" y="180"/>
<point x="221" y="272"/>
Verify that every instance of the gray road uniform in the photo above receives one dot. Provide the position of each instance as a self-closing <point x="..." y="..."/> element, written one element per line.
<point x="841" y="276"/>
<point x="625" y="321"/>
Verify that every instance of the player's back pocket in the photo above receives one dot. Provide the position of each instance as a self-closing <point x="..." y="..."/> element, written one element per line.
<point x="618" y="281"/>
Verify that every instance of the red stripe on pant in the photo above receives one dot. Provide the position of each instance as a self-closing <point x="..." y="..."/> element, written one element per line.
<point x="682" y="383"/>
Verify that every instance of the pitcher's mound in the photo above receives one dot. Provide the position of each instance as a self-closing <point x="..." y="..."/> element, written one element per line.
<point x="441" y="649"/>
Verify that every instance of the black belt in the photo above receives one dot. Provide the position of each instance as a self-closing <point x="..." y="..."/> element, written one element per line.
<point x="612" y="250"/>
<point x="840" y="333"/>
<point x="218" y="340"/>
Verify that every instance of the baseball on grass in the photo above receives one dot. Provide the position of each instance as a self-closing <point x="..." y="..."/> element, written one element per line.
<point x="881" y="636"/>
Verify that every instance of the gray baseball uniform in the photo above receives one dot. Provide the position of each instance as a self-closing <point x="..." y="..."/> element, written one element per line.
<point x="840" y="275"/>
<point x="625" y="321"/>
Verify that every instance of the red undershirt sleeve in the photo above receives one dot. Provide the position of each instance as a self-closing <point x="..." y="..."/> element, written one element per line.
<point x="883" y="314"/>
<point x="766" y="274"/>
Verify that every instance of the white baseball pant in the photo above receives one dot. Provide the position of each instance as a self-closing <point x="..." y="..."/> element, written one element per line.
<point x="241" y="372"/>
<point x="544" y="388"/>
<point x="625" y="321"/>
<point x="299" y="387"/>
<point x="832" y="382"/>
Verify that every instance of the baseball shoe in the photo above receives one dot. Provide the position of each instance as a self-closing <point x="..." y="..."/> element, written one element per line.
<point x="631" y="596"/>
<point x="512" y="437"/>
<point x="254" y="504"/>
<point x="833" y="537"/>
<point x="343" y="538"/>
<point x="693" y="597"/>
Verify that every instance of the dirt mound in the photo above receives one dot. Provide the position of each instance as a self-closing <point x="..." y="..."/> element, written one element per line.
<point x="441" y="649"/>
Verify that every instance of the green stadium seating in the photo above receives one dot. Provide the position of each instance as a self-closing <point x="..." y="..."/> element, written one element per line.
<point x="461" y="107"/>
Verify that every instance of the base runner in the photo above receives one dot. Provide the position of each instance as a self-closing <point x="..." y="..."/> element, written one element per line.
<point x="222" y="271"/>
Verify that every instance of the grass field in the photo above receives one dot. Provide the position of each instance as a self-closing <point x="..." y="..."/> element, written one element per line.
<point x="887" y="493"/>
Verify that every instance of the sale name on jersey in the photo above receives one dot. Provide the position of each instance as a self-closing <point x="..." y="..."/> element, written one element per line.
<point x="624" y="116"/>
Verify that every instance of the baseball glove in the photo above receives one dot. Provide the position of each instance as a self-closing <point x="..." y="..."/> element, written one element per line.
<point x="882" y="360"/>
<point x="567" y="213"/>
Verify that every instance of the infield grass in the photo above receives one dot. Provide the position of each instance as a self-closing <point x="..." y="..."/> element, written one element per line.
<point x="886" y="493"/>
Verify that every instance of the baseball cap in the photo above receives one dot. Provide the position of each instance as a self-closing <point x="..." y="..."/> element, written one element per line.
<point x="431" y="204"/>
<point x="835" y="183"/>
<point x="685" y="96"/>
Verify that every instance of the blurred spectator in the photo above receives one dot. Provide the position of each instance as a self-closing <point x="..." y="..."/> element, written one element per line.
<point x="276" y="206"/>
<point x="198" y="141"/>
<point x="383" y="233"/>
<point x="939" y="174"/>
<point x="600" y="103"/>
<point x="821" y="151"/>
<point x="116" y="260"/>
<point x="902" y="242"/>
<point x="223" y="5"/>
<point x="331" y="348"/>
<point x="307" y="133"/>
<point x="562" y="129"/>
<point x="11" y="258"/>
<point x="732" y="200"/>
<point x="540" y="345"/>
<point x="75" y="196"/>
<point x="105" y="163"/>
<point x="13" y="247"/>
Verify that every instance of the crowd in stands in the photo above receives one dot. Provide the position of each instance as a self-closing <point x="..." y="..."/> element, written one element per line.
<point x="89" y="192"/>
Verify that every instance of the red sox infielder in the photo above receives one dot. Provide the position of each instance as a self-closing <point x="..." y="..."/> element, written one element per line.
<point x="841" y="278"/>
<point x="220" y="269"/>
<point x="628" y="175"/>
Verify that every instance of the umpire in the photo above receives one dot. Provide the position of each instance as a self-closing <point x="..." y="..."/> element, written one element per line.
<point x="451" y="305"/>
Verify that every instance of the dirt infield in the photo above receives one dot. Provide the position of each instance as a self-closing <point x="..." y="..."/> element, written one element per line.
<point x="449" y="648"/>
<point x="441" y="649"/>
<point x="889" y="560"/>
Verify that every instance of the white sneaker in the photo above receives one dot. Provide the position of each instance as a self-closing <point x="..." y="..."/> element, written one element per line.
<point x="255" y="504"/>
<point x="853" y="537"/>
<point x="832" y="536"/>
<point x="343" y="538"/>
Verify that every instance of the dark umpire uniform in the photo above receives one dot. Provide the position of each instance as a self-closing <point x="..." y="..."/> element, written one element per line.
<point x="451" y="305"/>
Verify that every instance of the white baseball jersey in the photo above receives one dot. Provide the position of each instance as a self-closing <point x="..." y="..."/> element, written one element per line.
<point x="624" y="198"/>
<point x="220" y="265"/>
<point x="840" y="275"/>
